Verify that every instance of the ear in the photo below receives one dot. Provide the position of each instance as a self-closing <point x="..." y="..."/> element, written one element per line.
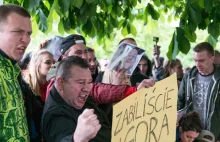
<point x="59" y="84"/>
<point x="212" y="59"/>
<point x="63" y="56"/>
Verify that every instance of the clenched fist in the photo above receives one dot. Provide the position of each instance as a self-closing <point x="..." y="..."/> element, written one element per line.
<point x="87" y="126"/>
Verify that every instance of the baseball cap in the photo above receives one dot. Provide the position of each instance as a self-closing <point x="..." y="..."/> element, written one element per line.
<point x="53" y="46"/>
<point x="206" y="136"/>
<point x="59" y="45"/>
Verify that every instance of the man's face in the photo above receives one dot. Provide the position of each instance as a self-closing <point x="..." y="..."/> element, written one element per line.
<point x="77" y="88"/>
<point x="15" y="35"/>
<point x="203" y="62"/>
<point x="188" y="136"/>
<point x="79" y="50"/>
<point x="130" y="59"/>
<point x="143" y="66"/>
<point x="92" y="62"/>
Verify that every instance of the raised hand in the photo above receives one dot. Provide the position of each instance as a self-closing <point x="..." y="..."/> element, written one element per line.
<point x="87" y="126"/>
<point x="119" y="75"/>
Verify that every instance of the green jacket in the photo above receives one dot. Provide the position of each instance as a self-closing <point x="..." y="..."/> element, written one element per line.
<point x="13" y="123"/>
<point x="213" y="102"/>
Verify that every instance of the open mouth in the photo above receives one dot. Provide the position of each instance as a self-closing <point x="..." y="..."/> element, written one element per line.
<point x="82" y="98"/>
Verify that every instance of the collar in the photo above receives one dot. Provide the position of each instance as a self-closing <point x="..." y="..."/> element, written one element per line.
<point x="6" y="56"/>
<point x="57" y="97"/>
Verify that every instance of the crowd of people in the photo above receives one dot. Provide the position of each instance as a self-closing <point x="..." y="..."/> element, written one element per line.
<point x="59" y="94"/>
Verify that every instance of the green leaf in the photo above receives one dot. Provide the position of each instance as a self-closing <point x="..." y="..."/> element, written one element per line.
<point x="77" y="3"/>
<point x="124" y="31"/>
<point x="195" y="15"/>
<point x="154" y="14"/>
<point x="202" y="25"/>
<point x="213" y="29"/>
<point x="178" y="43"/>
<point x="191" y="36"/>
<point x="41" y="21"/>
<point x="157" y="3"/>
<point x="145" y="15"/>
<point x="183" y="42"/>
<point x="201" y="3"/>
<point x="133" y="30"/>
<point x="208" y="5"/>
<point x="61" y="27"/>
<point x="169" y="2"/>
<point x="31" y="4"/>
<point x="66" y="24"/>
<point x="91" y="11"/>
<point x="173" y="48"/>
<point x="121" y="22"/>
<point x="213" y="41"/>
<point x="109" y="1"/>
<point x="90" y="1"/>
<point x="64" y="5"/>
<point x="133" y="2"/>
<point x="87" y="28"/>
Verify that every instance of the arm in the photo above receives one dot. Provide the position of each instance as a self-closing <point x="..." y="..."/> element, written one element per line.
<point x="108" y="94"/>
<point x="159" y="70"/>
<point x="159" y="73"/>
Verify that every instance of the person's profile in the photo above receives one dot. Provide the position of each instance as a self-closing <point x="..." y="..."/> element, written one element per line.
<point x="128" y="56"/>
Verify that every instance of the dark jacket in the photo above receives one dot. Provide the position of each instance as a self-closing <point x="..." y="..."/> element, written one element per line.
<point x="59" y="120"/>
<point x="34" y="108"/>
<point x="213" y="105"/>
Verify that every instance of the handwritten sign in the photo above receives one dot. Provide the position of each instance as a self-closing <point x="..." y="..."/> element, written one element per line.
<point x="148" y="115"/>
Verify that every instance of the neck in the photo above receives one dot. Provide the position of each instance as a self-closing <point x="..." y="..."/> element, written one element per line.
<point x="209" y="71"/>
<point x="42" y="80"/>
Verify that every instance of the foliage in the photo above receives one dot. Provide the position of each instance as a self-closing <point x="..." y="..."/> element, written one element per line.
<point x="99" y="18"/>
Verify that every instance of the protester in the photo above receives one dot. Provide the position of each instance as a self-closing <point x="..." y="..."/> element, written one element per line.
<point x="145" y="66"/>
<point x="200" y="85"/>
<point x="15" y="31"/>
<point x="93" y="63"/>
<point x="190" y="126"/>
<point x="65" y="117"/>
<point x="40" y="63"/>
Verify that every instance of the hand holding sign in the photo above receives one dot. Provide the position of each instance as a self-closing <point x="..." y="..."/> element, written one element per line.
<point x="146" y="83"/>
<point x="87" y="126"/>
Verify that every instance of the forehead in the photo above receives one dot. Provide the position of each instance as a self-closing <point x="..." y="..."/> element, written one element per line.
<point x="143" y="61"/>
<point x="47" y="56"/>
<point x="80" y="73"/>
<point x="78" y="46"/>
<point x="18" y="21"/>
<point x="191" y="134"/>
<point x="201" y="55"/>
<point x="91" y="54"/>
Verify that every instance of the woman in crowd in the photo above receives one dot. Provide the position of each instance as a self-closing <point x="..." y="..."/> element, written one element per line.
<point x="40" y="63"/>
<point x="145" y="66"/>
<point x="190" y="126"/>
